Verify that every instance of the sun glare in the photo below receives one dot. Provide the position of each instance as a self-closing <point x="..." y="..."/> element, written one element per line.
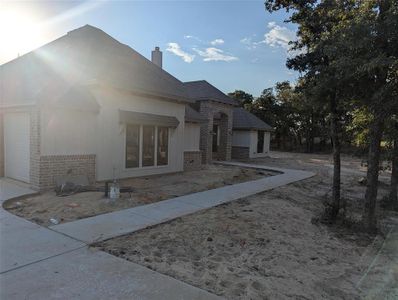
<point x="19" y="33"/>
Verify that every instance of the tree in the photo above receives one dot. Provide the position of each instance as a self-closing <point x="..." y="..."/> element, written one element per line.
<point x="245" y="99"/>
<point x="350" y="56"/>
<point x="317" y="61"/>
<point x="392" y="139"/>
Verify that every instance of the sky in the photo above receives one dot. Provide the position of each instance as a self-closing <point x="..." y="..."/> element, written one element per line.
<point x="231" y="44"/>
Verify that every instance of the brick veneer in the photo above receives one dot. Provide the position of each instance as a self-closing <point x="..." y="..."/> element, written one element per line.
<point x="239" y="152"/>
<point x="52" y="166"/>
<point x="45" y="168"/>
<point x="208" y="109"/>
<point x="192" y="160"/>
<point x="35" y="148"/>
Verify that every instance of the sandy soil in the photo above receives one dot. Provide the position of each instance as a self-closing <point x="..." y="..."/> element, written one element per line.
<point x="266" y="246"/>
<point x="47" y="205"/>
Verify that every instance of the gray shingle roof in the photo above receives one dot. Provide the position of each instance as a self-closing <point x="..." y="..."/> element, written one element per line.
<point x="193" y="116"/>
<point x="84" y="56"/>
<point x="202" y="90"/>
<point x="243" y="119"/>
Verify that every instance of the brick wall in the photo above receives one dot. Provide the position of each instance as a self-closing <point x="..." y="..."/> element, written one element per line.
<point x="208" y="109"/>
<point x="240" y="152"/>
<point x="35" y="148"/>
<point x="192" y="160"/>
<point x="52" y="166"/>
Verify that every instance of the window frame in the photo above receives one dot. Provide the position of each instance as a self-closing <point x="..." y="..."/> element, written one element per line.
<point x="139" y="146"/>
<point x="141" y="138"/>
<point x="157" y="146"/>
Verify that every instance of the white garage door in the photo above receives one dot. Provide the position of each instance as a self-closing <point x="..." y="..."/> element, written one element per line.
<point x="17" y="146"/>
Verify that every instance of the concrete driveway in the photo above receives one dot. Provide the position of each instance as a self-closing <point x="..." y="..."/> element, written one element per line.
<point x="39" y="263"/>
<point x="10" y="189"/>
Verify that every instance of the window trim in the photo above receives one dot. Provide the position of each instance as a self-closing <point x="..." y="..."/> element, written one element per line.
<point x="168" y="146"/>
<point x="141" y="138"/>
<point x="125" y="147"/>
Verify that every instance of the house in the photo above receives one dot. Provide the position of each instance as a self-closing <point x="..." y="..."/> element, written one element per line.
<point x="217" y="108"/>
<point x="250" y="137"/>
<point x="87" y="104"/>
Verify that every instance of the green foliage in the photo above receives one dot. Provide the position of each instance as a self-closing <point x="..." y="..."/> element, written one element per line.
<point x="359" y="127"/>
<point x="245" y="99"/>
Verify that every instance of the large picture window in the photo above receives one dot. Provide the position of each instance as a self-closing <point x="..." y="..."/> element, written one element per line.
<point x="132" y="146"/>
<point x="163" y="146"/>
<point x="144" y="143"/>
<point x="148" y="146"/>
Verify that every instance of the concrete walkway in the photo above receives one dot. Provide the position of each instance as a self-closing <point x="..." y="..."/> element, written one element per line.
<point x="55" y="263"/>
<point x="38" y="263"/>
<point x="117" y="223"/>
<point x="23" y="242"/>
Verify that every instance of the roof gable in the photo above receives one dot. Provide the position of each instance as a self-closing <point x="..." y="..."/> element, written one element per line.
<point x="242" y="119"/>
<point x="89" y="55"/>
<point x="202" y="90"/>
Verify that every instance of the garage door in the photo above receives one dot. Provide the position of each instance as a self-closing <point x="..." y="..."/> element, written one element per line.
<point x="17" y="146"/>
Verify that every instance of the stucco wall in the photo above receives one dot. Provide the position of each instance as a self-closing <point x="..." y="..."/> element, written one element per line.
<point x="111" y="133"/>
<point x="253" y="144"/>
<point x="1" y="146"/>
<point x="248" y="138"/>
<point x="241" y="138"/>
<point x="68" y="132"/>
<point x="191" y="137"/>
<point x="101" y="133"/>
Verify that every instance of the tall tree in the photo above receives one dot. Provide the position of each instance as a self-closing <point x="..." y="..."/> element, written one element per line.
<point x="351" y="54"/>
<point x="317" y="36"/>
<point x="392" y="139"/>
<point x="244" y="99"/>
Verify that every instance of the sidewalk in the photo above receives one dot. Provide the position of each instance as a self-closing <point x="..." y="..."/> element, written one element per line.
<point x="56" y="263"/>
<point x="117" y="223"/>
<point x="38" y="263"/>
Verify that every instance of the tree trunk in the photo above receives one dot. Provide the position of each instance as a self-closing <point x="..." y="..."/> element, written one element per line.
<point x="336" y="160"/>
<point x="311" y="148"/>
<point x="393" y="197"/>
<point x="369" y="214"/>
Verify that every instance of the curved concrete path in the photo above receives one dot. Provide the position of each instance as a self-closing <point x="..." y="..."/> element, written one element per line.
<point x="117" y="223"/>
<point x="39" y="263"/>
<point x="56" y="263"/>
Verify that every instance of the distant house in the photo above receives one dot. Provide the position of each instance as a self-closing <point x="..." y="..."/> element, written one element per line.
<point x="87" y="104"/>
<point x="251" y="136"/>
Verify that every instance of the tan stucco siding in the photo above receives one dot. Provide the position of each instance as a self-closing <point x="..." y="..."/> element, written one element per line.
<point x="111" y="133"/>
<point x="253" y="144"/>
<point x="68" y="132"/>
<point x="1" y="146"/>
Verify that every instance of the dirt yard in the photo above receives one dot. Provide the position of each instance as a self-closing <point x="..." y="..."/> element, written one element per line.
<point x="41" y="208"/>
<point x="267" y="246"/>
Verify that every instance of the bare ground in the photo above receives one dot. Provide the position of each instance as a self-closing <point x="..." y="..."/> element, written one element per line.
<point x="265" y="246"/>
<point x="42" y="207"/>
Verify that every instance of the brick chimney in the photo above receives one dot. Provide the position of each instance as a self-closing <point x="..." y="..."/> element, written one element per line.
<point x="157" y="57"/>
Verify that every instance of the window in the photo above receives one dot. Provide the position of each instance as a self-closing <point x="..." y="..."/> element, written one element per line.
<point x="163" y="146"/>
<point x="132" y="146"/>
<point x="260" y="141"/>
<point x="148" y="146"/>
<point x="144" y="143"/>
